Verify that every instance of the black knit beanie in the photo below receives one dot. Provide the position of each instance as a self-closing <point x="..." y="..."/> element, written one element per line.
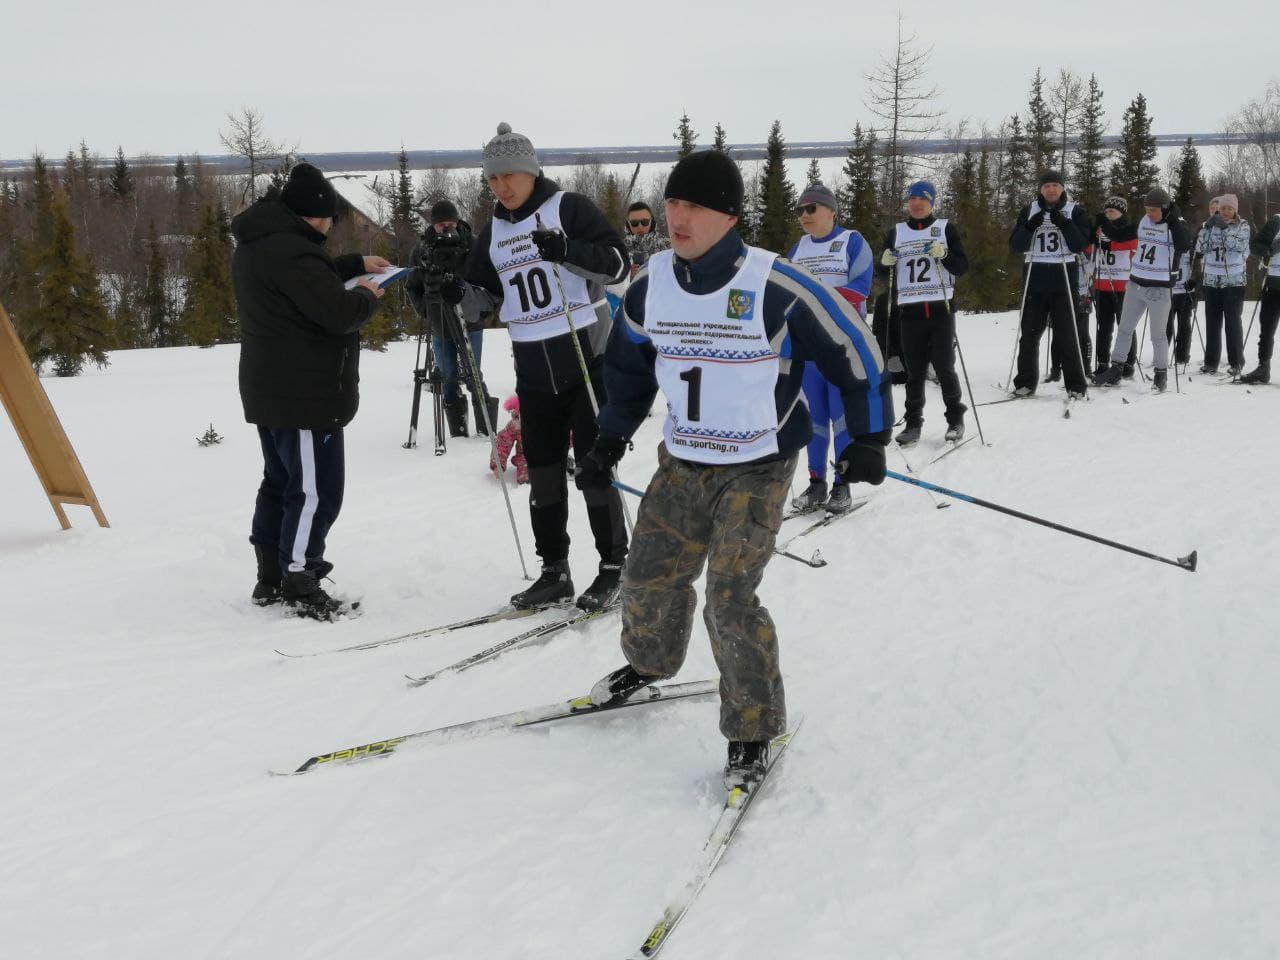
<point x="709" y="179"/>
<point x="443" y="210"/>
<point x="308" y="194"/>
<point x="1052" y="176"/>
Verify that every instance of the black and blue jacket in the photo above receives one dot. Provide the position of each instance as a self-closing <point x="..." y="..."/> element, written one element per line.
<point x="803" y="319"/>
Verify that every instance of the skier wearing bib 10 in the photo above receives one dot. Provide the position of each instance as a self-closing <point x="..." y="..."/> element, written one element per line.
<point x="545" y="247"/>
<point x="724" y="329"/>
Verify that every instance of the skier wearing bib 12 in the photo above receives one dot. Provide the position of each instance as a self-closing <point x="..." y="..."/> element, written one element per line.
<point x="841" y="259"/>
<point x="925" y="256"/>
<point x="1049" y="232"/>
<point x="542" y="243"/>
<point x="724" y="329"/>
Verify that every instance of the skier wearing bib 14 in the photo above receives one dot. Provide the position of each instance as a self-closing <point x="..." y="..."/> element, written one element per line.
<point x="724" y="329"/>
<point x="545" y="246"/>
<point x="841" y="259"/>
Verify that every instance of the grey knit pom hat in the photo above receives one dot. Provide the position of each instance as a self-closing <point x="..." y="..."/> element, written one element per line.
<point x="510" y="153"/>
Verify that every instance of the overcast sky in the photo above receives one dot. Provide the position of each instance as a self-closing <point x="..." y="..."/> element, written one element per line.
<point x="348" y="76"/>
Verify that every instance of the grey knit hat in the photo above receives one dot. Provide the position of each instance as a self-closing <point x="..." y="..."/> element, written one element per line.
<point x="1157" y="198"/>
<point x="818" y="193"/>
<point x="510" y="153"/>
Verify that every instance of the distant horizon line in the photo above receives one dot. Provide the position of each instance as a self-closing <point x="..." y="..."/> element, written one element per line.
<point x="338" y="161"/>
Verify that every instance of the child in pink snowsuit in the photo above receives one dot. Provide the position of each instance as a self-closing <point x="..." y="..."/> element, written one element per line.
<point x="509" y="444"/>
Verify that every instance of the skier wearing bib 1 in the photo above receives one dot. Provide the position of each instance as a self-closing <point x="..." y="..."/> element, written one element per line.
<point x="1049" y="232"/>
<point x="925" y="256"/>
<point x="724" y="329"/>
<point x="841" y="259"/>
<point x="543" y="247"/>
<point x="1162" y="239"/>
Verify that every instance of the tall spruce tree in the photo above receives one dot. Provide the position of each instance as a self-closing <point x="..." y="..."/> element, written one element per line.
<point x="685" y="136"/>
<point x="859" y="200"/>
<point x="778" y="228"/>
<point x="1018" y="181"/>
<point x="156" y="305"/>
<point x="209" y="310"/>
<point x="1040" y="127"/>
<point x="1134" y="171"/>
<point x="120" y="183"/>
<point x="721" y="139"/>
<point x="184" y="198"/>
<point x="404" y="223"/>
<point x="1189" y="190"/>
<point x="812" y="174"/>
<point x="1088" y="181"/>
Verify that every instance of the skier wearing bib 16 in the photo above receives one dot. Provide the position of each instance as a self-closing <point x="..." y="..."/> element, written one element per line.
<point x="925" y="256"/>
<point x="1115" y="242"/>
<point x="1162" y="239"/>
<point x="545" y="246"/>
<point x="841" y="259"/>
<point x="724" y="329"/>
<point x="1049" y="232"/>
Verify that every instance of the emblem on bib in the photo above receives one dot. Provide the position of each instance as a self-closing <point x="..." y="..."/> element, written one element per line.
<point x="836" y="246"/>
<point x="742" y="304"/>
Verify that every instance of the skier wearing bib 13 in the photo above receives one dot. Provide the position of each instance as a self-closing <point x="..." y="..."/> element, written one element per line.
<point x="724" y="329"/>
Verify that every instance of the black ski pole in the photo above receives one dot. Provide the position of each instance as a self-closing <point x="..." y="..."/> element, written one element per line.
<point x="1187" y="563"/>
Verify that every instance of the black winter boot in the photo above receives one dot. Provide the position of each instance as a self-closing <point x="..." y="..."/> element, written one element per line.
<point x="491" y="408"/>
<point x="1111" y="376"/>
<point x="840" y="500"/>
<point x="267" y="589"/>
<point x="618" y="686"/>
<point x="1159" y="380"/>
<point x="1260" y="374"/>
<point x="302" y="591"/>
<point x="554" y="585"/>
<point x="813" y="498"/>
<point x="748" y="760"/>
<point x="909" y="436"/>
<point x="455" y="412"/>
<point x="604" y="588"/>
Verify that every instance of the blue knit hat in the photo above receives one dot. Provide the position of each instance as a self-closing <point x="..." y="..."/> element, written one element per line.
<point x="924" y="189"/>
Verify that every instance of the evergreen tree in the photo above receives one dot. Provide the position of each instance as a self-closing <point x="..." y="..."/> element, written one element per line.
<point x="685" y="136"/>
<point x="69" y="323"/>
<point x="859" y="201"/>
<point x="1040" y="127"/>
<point x="1190" y="188"/>
<point x="482" y="209"/>
<point x="610" y="201"/>
<point x="1018" y="182"/>
<point x="155" y="303"/>
<point x="778" y="228"/>
<point x="209" y="311"/>
<point x="404" y="223"/>
<point x="1087" y="181"/>
<point x="184" y="197"/>
<point x="1134" y="171"/>
<point x="812" y="175"/>
<point x="120" y="183"/>
<point x="970" y="202"/>
<point x="721" y="141"/>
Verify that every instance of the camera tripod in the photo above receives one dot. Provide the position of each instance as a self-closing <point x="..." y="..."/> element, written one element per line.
<point x="427" y="373"/>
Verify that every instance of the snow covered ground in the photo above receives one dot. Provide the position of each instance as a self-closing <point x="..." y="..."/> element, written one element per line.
<point x="1017" y="744"/>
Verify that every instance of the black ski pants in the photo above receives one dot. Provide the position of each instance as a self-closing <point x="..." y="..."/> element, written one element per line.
<point x="1108" y="304"/>
<point x="303" y="475"/>
<point x="547" y="422"/>
<point x="1223" y="308"/>
<point x="1042" y="309"/>
<point x="1180" y="310"/>
<point x="928" y="336"/>
<point x="1268" y="315"/>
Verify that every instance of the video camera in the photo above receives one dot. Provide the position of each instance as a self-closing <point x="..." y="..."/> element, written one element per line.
<point x="442" y="258"/>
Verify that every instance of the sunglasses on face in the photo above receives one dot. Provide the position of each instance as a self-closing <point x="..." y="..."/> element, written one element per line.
<point x="639" y="223"/>
<point x="809" y="208"/>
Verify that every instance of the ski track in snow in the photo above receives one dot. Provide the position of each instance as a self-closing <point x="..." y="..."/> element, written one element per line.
<point x="1018" y="744"/>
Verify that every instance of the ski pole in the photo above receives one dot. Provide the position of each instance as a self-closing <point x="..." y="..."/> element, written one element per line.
<point x="1022" y="306"/>
<point x="478" y="384"/>
<point x="1075" y="328"/>
<point x="1187" y="563"/>
<point x="955" y="331"/>
<point x="618" y="484"/>
<point x="582" y="360"/>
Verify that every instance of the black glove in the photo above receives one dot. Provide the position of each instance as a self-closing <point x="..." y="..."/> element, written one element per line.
<point x="452" y="292"/>
<point x="862" y="463"/>
<point x="1036" y="220"/>
<point x="638" y="258"/>
<point x="1217" y="221"/>
<point x="1057" y="218"/>
<point x="553" y="245"/>
<point x="595" y="470"/>
<point x="1191" y="285"/>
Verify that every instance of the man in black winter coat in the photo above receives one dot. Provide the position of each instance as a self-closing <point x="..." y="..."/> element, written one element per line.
<point x="1050" y="231"/>
<point x="545" y="247"/>
<point x="299" y="376"/>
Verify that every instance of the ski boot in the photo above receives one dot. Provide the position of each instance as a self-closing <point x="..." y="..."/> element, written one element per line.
<point x="1128" y="370"/>
<point x="1210" y="370"/>
<point x="1111" y="377"/>
<point x="955" y="432"/>
<point x="604" y="589"/>
<point x="814" y="496"/>
<point x="1159" y="380"/>
<point x="267" y="590"/>
<point x="301" y="591"/>
<point x="1023" y="392"/>
<point x="840" y="501"/>
<point x="455" y="413"/>
<point x="491" y="408"/>
<point x="1234" y="371"/>
<point x="1055" y="374"/>
<point x="555" y="584"/>
<point x="748" y="760"/>
<point x="618" y="686"/>
<point x="1260" y="374"/>
<point x="909" y="436"/>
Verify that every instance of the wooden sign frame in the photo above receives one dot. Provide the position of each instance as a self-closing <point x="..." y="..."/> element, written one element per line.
<point x="40" y="430"/>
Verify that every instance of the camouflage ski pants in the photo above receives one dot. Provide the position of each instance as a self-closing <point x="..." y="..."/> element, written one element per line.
<point x="726" y="517"/>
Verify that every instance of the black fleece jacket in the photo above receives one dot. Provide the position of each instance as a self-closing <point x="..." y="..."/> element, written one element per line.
<point x="299" y="327"/>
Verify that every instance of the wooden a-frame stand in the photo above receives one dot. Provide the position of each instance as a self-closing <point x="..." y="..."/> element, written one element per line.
<point x="40" y="431"/>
